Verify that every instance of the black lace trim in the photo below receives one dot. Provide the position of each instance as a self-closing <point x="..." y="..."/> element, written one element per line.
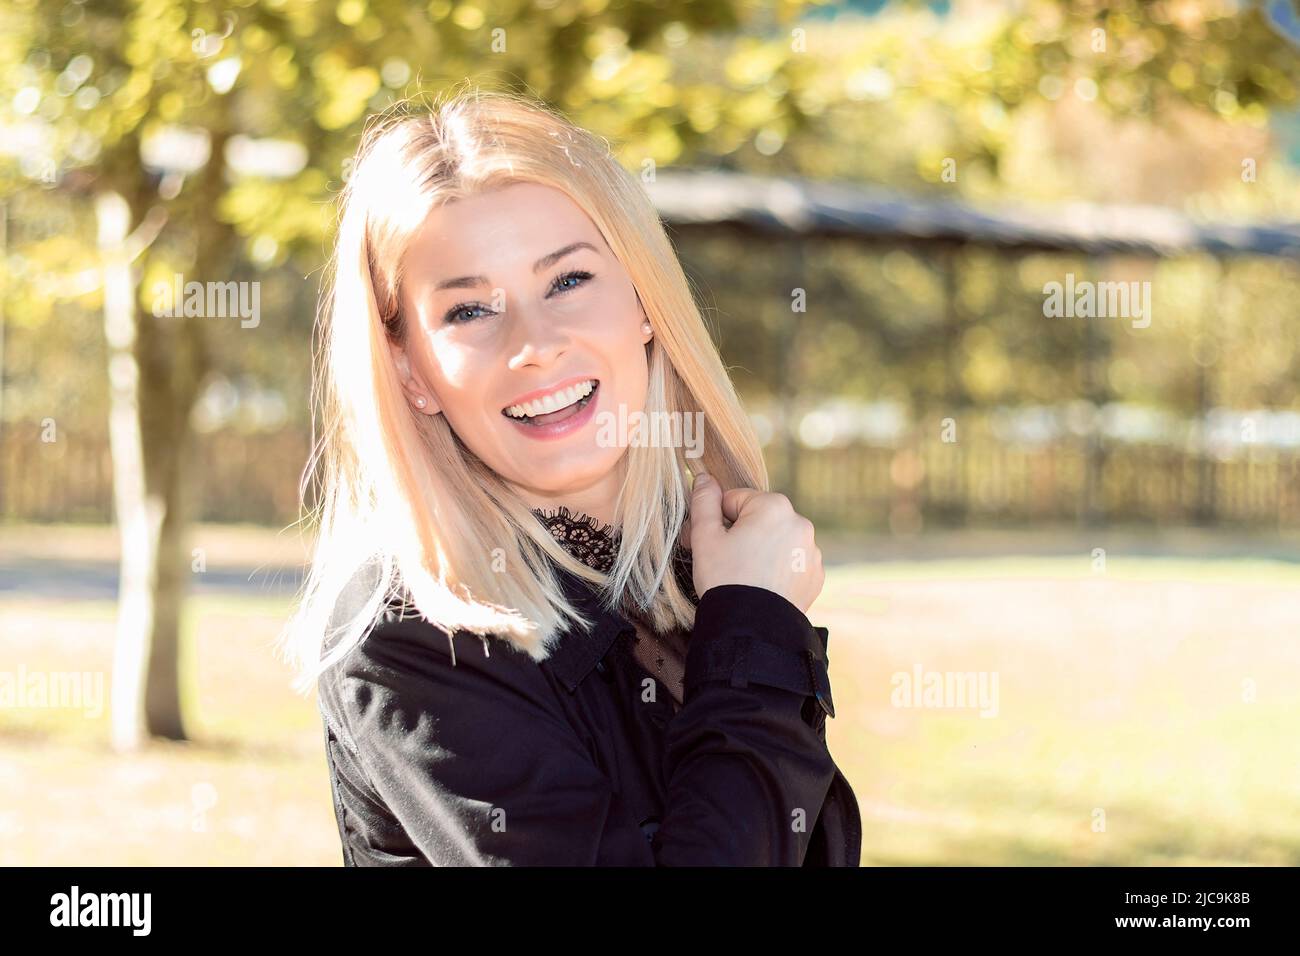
<point x="588" y="539"/>
<point x="595" y="544"/>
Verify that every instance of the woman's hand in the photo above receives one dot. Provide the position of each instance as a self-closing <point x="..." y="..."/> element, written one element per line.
<point x="768" y="544"/>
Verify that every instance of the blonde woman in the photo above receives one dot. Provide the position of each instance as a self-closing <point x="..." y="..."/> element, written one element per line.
<point x="541" y="637"/>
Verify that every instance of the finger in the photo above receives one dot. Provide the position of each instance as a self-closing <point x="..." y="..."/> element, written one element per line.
<point x="735" y="500"/>
<point x="706" y="510"/>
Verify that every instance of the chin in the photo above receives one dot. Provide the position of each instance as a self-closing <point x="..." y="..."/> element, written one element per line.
<point x="570" y="475"/>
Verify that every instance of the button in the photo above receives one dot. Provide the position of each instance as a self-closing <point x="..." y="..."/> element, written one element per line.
<point x="825" y="701"/>
<point x="820" y="684"/>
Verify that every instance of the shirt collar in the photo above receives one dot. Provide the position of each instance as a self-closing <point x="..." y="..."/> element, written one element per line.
<point x="574" y="652"/>
<point x="594" y="543"/>
<point x="577" y="651"/>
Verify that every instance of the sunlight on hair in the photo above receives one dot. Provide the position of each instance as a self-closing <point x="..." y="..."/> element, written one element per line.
<point x="404" y="508"/>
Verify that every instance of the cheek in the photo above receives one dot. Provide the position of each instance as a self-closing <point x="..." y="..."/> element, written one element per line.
<point x="453" y="371"/>
<point x="613" y="317"/>
<point x="627" y="359"/>
<point x="449" y="362"/>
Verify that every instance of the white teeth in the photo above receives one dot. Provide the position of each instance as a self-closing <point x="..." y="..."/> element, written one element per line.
<point x="553" y="402"/>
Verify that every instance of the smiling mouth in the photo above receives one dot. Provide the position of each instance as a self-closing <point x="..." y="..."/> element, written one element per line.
<point x="522" y="417"/>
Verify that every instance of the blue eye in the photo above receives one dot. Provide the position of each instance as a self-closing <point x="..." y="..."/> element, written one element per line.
<point x="450" y="317"/>
<point x="579" y="275"/>
<point x="558" y="287"/>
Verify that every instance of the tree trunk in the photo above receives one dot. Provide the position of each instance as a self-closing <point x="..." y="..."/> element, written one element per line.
<point x="156" y="366"/>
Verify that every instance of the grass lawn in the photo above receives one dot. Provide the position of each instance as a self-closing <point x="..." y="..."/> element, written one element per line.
<point x="249" y="789"/>
<point x="1147" y="715"/>
<point x="1144" y="715"/>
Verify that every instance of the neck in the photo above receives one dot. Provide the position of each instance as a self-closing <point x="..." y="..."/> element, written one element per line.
<point x="596" y="500"/>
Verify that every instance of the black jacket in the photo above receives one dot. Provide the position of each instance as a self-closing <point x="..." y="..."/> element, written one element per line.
<point x="502" y="760"/>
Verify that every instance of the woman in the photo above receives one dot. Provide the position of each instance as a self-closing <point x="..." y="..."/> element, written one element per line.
<point x="508" y="672"/>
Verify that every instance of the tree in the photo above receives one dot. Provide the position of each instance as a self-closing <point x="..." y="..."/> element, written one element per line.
<point x="109" y="93"/>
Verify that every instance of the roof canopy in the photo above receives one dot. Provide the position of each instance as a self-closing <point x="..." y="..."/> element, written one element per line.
<point x="802" y="207"/>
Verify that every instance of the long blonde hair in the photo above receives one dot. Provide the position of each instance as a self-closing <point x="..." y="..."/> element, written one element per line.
<point x="403" y="503"/>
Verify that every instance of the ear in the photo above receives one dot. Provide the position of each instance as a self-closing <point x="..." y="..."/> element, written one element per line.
<point x="411" y="384"/>
<point x="645" y="336"/>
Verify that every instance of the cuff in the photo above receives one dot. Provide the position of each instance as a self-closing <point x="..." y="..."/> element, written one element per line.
<point x="745" y="634"/>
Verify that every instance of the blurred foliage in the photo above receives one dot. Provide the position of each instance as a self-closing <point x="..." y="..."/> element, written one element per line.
<point x="1153" y="102"/>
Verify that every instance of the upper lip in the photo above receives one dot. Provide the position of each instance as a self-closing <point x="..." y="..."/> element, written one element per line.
<point x="550" y="389"/>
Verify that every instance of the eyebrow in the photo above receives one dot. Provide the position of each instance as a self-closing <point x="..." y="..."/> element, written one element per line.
<point x="469" y="282"/>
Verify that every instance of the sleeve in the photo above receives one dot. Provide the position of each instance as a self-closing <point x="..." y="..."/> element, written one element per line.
<point x="747" y="765"/>
<point x="473" y="763"/>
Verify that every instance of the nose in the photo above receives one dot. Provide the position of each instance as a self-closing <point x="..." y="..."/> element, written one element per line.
<point x="537" y="338"/>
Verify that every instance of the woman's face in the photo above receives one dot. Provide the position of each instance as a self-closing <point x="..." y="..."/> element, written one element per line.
<point x="511" y="297"/>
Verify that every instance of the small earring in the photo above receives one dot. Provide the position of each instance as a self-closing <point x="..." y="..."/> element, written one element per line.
<point x="421" y="401"/>
<point x="645" y="327"/>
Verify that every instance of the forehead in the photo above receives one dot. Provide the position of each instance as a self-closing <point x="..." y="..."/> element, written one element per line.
<point x="504" y="228"/>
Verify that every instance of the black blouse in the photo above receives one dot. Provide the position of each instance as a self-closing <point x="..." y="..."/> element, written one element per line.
<point x="580" y="760"/>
